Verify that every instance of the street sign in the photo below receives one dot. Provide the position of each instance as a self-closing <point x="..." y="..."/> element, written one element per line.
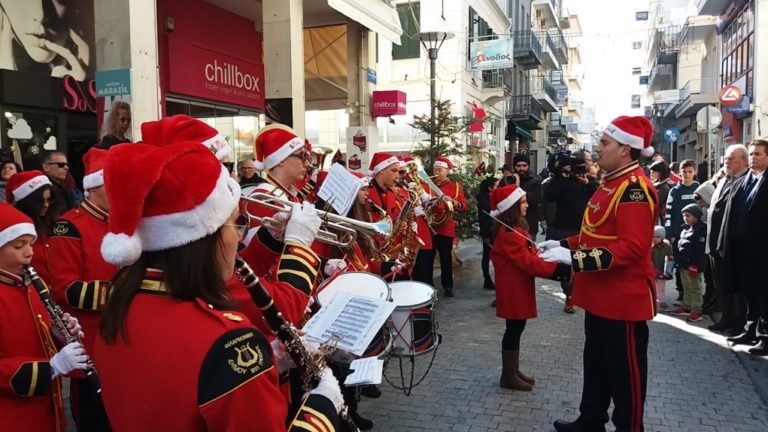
<point x="740" y="108"/>
<point x="708" y="119"/>
<point x="671" y="135"/>
<point x="730" y="95"/>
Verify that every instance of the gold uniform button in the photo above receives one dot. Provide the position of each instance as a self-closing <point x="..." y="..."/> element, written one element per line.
<point x="232" y="317"/>
<point x="210" y="306"/>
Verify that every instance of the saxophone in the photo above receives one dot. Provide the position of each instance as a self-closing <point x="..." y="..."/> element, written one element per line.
<point x="311" y="368"/>
<point x="438" y="211"/>
<point x="56" y="314"/>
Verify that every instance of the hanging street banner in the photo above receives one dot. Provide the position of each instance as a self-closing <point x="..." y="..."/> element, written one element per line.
<point x="491" y="54"/>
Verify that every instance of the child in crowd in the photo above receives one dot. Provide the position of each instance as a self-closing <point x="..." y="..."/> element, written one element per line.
<point x="691" y="260"/>
<point x="661" y="253"/>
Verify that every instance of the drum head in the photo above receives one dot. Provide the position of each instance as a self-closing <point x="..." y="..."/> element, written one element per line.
<point x="358" y="283"/>
<point x="408" y="294"/>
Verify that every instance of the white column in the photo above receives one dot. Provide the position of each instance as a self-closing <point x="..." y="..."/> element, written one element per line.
<point x="134" y="22"/>
<point x="284" y="55"/>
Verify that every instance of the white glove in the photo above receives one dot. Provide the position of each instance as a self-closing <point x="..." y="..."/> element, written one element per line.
<point x="425" y="197"/>
<point x="418" y="210"/>
<point x="282" y="359"/>
<point x="414" y="227"/>
<point x="333" y="265"/>
<point x="69" y="358"/>
<point x="303" y="225"/>
<point x="329" y="387"/>
<point x="548" y="244"/>
<point x="557" y="254"/>
<point x="278" y="231"/>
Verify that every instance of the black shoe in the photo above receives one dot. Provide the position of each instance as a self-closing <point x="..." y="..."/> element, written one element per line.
<point x="489" y="285"/>
<point x="371" y="391"/>
<point x="577" y="426"/>
<point x="761" y="349"/>
<point x="361" y="422"/>
<point x="720" y="326"/>
<point x="449" y="292"/>
<point x="679" y="297"/>
<point x="493" y="303"/>
<point x="743" y="339"/>
<point x="733" y="331"/>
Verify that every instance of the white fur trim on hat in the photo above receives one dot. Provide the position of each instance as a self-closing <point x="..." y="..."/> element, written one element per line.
<point x="440" y="163"/>
<point x="508" y="202"/>
<point x="93" y="180"/>
<point x="15" y="231"/>
<point x="384" y="164"/>
<point x="23" y="190"/>
<point x="282" y="153"/>
<point x="176" y="229"/>
<point x="648" y="151"/>
<point x="364" y="182"/>
<point x="624" y="137"/>
<point x="219" y="146"/>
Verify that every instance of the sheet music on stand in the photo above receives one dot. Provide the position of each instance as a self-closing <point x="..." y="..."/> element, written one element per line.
<point x="366" y="371"/>
<point x="340" y="189"/>
<point x="349" y="321"/>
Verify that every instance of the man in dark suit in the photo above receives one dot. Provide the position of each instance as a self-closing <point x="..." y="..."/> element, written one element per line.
<point x="730" y="303"/>
<point x="745" y="240"/>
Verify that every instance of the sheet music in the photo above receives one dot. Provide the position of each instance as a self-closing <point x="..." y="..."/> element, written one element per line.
<point x="349" y="322"/>
<point x="340" y="189"/>
<point x="366" y="371"/>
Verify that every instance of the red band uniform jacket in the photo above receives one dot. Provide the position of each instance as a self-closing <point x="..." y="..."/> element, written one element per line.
<point x="454" y="191"/>
<point x="517" y="265"/>
<point x="29" y="399"/>
<point x="188" y="367"/>
<point x="613" y="273"/>
<point x="79" y="276"/>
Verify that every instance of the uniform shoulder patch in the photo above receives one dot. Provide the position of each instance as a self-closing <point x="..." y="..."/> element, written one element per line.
<point x="64" y="228"/>
<point x="634" y="193"/>
<point x="236" y="357"/>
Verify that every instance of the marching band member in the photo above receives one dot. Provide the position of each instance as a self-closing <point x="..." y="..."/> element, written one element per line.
<point x="517" y="265"/>
<point x="613" y="280"/>
<point x="385" y="171"/>
<point x="423" y="265"/>
<point x="31" y="192"/>
<point x="174" y="233"/>
<point x="442" y="240"/>
<point x="30" y="363"/>
<point x="80" y="277"/>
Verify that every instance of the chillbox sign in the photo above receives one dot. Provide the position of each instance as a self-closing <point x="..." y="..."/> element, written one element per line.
<point x="200" y="72"/>
<point x="385" y="103"/>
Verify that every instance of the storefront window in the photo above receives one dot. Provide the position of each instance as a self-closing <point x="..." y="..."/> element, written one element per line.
<point x="26" y="136"/>
<point x="239" y="127"/>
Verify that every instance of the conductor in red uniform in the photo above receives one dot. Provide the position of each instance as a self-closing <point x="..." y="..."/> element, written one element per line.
<point x="613" y="280"/>
<point x="442" y="240"/>
<point x="80" y="277"/>
<point x="171" y="354"/>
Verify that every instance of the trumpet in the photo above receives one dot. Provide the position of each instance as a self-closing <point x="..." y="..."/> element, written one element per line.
<point x="335" y="230"/>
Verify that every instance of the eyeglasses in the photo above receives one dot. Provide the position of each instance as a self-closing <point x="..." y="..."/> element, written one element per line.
<point x="304" y="156"/>
<point x="59" y="164"/>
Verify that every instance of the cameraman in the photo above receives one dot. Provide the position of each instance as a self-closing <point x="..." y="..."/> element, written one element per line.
<point x="569" y="189"/>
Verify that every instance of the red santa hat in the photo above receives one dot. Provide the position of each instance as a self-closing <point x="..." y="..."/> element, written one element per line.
<point x="274" y="144"/>
<point x="503" y="198"/>
<point x="443" y="162"/>
<point x="400" y="162"/>
<point x="178" y="193"/>
<point x="184" y="128"/>
<point x="20" y="185"/>
<point x="380" y="161"/>
<point x="14" y="224"/>
<point x="409" y="159"/>
<point x="363" y="179"/>
<point x="94" y="168"/>
<point x="635" y="132"/>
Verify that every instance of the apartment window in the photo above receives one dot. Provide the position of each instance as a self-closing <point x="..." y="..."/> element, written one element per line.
<point x="637" y="45"/>
<point x="738" y="48"/>
<point x="635" y="101"/>
<point x="409" y="42"/>
<point x="636" y="71"/>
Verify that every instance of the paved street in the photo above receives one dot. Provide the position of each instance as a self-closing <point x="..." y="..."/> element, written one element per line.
<point x="696" y="383"/>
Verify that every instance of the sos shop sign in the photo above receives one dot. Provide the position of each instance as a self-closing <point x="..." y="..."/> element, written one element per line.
<point x="196" y="71"/>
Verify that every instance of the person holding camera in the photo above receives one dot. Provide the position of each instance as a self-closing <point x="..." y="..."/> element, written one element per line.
<point x="531" y="184"/>
<point x="569" y="189"/>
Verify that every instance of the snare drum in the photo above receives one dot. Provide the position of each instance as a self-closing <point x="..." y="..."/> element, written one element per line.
<point x="367" y="285"/>
<point x="413" y="323"/>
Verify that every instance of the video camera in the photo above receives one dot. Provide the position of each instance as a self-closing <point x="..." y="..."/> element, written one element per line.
<point x="565" y="163"/>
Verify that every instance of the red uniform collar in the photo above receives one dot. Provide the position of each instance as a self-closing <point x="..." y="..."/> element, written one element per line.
<point x="154" y="282"/>
<point x="11" y="279"/>
<point x="626" y="169"/>
<point x="94" y="210"/>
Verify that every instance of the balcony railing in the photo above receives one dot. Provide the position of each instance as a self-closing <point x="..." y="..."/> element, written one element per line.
<point x="561" y="48"/>
<point x="497" y="78"/>
<point x="525" y="105"/>
<point x="542" y="84"/>
<point x="526" y="48"/>
<point x="556" y="78"/>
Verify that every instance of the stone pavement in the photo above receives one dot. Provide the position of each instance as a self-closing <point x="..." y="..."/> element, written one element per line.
<point x="696" y="383"/>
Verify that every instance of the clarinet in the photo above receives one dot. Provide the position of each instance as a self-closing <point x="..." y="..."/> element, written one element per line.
<point x="56" y="314"/>
<point x="310" y="368"/>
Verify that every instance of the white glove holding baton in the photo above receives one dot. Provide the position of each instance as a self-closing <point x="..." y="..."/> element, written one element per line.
<point x="557" y="254"/>
<point x="303" y="225"/>
<point x="329" y="387"/>
<point x="548" y="244"/>
<point x="71" y="357"/>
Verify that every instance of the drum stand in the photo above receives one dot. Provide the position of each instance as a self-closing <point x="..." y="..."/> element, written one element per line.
<point x="409" y="388"/>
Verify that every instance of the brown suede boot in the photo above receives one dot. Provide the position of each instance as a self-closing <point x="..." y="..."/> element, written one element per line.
<point x="510" y="378"/>
<point x="526" y="378"/>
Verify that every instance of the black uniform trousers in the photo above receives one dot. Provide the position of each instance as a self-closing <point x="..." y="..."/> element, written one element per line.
<point x="615" y="368"/>
<point x="423" y="266"/>
<point x="485" y="263"/>
<point x="443" y="245"/>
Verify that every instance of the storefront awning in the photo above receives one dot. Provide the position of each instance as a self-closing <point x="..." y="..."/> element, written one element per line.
<point x="523" y="133"/>
<point x="376" y="15"/>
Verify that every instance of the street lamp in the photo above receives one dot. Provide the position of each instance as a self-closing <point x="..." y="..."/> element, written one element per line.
<point x="432" y="41"/>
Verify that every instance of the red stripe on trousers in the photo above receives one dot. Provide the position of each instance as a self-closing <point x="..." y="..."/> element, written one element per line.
<point x="634" y="380"/>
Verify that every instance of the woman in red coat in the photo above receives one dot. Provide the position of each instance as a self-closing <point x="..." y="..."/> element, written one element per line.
<point x="517" y="264"/>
